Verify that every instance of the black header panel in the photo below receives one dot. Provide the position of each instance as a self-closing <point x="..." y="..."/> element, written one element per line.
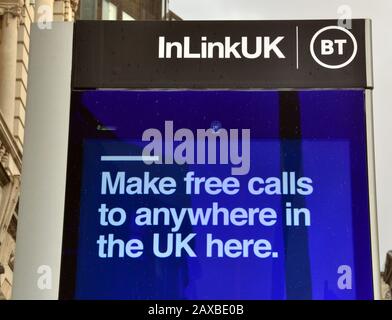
<point x="221" y="54"/>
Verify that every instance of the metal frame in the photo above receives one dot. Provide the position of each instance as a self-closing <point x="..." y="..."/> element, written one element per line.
<point x="40" y="226"/>
<point x="372" y="196"/>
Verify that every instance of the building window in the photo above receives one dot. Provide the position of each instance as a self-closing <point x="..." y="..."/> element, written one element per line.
<point x="123" y="10"/>
<point x="88" y="9"/>
<point x="109" y="10"/>
<point x="126" y="17"/>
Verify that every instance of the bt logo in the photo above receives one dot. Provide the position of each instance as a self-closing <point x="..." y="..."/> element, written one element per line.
<point x="333" y="47"/>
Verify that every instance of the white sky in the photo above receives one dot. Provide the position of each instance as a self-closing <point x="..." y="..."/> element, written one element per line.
<point x="380" y="11"/>
<point x="272" y="9"/>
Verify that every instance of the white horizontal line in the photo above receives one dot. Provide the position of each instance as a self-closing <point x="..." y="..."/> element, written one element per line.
<point x="129" y="158"/>
<point x="297" y="45"/>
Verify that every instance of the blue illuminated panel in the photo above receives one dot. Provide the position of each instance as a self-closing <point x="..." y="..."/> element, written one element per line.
<point x="319" y="135"/>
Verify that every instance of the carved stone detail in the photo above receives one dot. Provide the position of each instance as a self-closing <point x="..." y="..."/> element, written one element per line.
<point x="4" y="158"/>
<point x="74" y="5"/>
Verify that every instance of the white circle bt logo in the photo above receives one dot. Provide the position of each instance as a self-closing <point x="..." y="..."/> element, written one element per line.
<point x="329" y="47"/>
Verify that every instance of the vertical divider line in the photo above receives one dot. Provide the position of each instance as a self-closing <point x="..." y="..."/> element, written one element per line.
<point x="297" y="45"/>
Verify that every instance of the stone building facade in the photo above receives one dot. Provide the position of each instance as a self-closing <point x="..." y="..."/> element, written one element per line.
<point x="16" y="17"/>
